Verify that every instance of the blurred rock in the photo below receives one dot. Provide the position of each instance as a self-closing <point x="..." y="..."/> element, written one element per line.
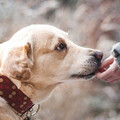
<point x="105" y="44"/>
<point x="110" y="92"/>
<point x="47" y="8"/>
<point x="68" y="2"/>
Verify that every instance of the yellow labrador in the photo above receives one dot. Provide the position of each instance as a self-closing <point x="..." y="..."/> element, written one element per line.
<point x="40" y="57"/>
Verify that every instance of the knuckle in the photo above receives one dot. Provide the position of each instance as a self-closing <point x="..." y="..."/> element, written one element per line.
<point x="100" y="76"/>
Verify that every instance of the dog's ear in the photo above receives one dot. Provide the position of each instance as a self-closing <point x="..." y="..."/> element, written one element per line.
<point x="18" y="61"/>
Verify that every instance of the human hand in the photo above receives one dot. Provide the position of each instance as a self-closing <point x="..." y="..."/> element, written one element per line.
<point x="109" y="71"/>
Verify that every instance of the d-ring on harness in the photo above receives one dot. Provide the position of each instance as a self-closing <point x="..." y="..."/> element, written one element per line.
<point x="17" y="100"/>
<point x="30" y="113"/>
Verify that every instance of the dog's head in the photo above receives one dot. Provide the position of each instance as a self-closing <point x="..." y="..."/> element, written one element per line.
<point x="39" y="57"/>
<point x="116" y="53"/>
<point x="43" y="52"/>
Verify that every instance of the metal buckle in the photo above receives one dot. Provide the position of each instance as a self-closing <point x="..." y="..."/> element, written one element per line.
<point x="30" y="113"/>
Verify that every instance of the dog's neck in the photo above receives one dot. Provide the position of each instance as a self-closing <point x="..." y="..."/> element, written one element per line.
<point x="2" y="48"/>
<point x="37" y="92"/>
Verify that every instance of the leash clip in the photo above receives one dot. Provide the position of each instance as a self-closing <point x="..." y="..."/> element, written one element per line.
<point x="30" y="113"/>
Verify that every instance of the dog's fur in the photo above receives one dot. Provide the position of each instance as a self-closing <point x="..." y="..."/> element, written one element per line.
<point x="116" y="53"/>
<point x="34" y="62"/>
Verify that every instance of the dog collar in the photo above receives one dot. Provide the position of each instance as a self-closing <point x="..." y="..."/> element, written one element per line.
<point x="14" y="97"/>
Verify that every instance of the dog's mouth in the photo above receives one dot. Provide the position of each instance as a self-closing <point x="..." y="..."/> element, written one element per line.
<point x="89" y="71"/>
<point x="86" y="76"/>
<point x="83" y="76"/>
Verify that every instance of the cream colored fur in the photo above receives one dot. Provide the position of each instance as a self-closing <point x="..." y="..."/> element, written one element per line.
<point x="31" y="61"/>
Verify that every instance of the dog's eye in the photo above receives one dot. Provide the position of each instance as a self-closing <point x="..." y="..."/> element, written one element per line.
<point x="61" y="46"/>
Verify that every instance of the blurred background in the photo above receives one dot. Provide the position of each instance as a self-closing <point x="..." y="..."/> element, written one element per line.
<point x="90" y="23"/>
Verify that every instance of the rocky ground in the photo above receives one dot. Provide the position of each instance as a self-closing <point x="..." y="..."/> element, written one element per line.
<point x="90" y="23"/>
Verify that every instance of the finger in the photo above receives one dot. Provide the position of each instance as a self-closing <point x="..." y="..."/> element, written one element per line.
<point x="99" y="75"/>
<point x="107" y="62"/>
<point x="107" y="73"/>
<point x="111" y="79"/>
<point x="103" y="75"/>
<point x="115" y="81"/>
<point x="108" y="78"/>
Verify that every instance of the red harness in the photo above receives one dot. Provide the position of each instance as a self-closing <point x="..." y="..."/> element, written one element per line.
<point x="14" y="97"/>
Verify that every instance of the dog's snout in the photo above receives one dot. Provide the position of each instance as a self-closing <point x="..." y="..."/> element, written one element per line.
<point x="98" y="55"/>
<point x="116" y="53"/>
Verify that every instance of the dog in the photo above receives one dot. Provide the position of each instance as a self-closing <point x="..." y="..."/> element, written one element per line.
<point x="37" y="59"/>
<point x="116" y="53"/>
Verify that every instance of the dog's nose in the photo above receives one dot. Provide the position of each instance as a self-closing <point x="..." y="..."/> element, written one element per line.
<point x="116" y="53"/>
<point x="98" y="55"/>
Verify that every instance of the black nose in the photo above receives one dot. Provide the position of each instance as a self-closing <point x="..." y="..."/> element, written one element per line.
<point x="98" y="55"/>
<point x="116" y="53"/>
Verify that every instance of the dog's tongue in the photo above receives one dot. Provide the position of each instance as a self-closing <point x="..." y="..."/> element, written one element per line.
<point x="102" y="70"/>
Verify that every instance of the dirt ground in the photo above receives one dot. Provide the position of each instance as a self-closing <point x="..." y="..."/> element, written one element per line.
<point x="90" y="23"/>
